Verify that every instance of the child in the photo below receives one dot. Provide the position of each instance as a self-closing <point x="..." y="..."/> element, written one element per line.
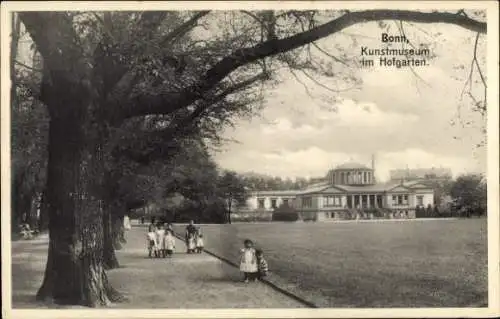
<point x="248" y="261"/>
<point x="169" y="244"/>
<point x="152" y="244"/>
<point x="191" y="244"/>
<point x="160" y="239"/>
<point x="199" y="243"/>
<point x="152" y="228"/>
<point x="261" y="264"/>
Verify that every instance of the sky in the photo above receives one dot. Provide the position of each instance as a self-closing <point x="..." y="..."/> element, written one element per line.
<point x="402" y="119"/>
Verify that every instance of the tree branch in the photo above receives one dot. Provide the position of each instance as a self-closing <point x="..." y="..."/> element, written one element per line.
<point x="27" y="66"/>
<point x="157" y="104"/>
<point x="187" y="125"/>
<point x="55" y="38"/>
<point x="183" y="28"/>
<point x="128" y="79"/>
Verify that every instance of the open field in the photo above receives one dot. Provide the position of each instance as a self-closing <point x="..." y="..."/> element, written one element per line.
<point x="431" y="263"/>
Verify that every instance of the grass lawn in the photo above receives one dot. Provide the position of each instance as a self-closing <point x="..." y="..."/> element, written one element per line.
<point x="431" y="263"/>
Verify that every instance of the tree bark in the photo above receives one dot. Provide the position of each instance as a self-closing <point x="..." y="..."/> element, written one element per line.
<point x="118" y="230"/>
<point x="75" y="268"/>
<point x="16" y="27"/>
<point x="110" y="259"/>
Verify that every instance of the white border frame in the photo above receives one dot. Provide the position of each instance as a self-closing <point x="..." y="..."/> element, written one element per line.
<point x="493" y="309"/>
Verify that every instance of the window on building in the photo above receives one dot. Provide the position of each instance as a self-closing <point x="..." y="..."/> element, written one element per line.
<point x="307" y="202"/>
<point x="330" y="201"/>
<point x="261" y="202"/>
<point x="394" y="199"/>
<point x="400" y="199"/>
<point x="274" y="203"/>
<point x="405" y="199"/>
<point x="338" y="201"/>
<point x="365" y="177"/>
<point x="285" y="202"/>
<point x="420" y="200"/>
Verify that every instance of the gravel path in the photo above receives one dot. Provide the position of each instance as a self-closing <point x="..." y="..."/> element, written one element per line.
<point x="184" y="281"/>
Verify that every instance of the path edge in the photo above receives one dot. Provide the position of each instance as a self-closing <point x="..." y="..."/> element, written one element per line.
<point x="265" y="281"/>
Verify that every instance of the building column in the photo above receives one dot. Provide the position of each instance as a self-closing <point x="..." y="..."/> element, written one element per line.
<point x="368" y="200"/>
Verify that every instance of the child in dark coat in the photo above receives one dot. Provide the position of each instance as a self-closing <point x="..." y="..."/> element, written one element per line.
<point x="262" y="265"/>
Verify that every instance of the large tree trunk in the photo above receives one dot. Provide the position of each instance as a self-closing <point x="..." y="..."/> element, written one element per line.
<point x="17" y="204"/>
<point x="75" y="268"/>
<point x="43" y="221"/>
<point x="118" y="230"/>
<point x="110" y="260"/>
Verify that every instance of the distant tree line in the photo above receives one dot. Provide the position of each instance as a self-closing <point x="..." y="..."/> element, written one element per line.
<point x="264" y="182"/>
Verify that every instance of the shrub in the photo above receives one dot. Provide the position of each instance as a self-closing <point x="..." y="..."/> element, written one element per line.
<point x="252" y="217"/>
<point x="285" y="216"/>
<point x="285" y="213"/>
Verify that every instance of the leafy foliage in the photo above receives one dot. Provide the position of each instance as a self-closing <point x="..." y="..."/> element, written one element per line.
<point x="469" y="195"/>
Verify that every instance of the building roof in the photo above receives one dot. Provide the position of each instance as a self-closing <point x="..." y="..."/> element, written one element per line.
<point x="374" y="188"/>
<point x="289" y="192"/>
<point x="314" y="188"/>
<point x="319" y="187"/>
<point x="352" y="165"/>
<point x="366" y="188"/>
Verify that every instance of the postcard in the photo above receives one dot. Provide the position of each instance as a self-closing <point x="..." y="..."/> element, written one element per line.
<point x="305" y="159"/>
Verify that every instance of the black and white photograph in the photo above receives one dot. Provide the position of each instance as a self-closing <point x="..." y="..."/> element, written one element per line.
<point x="299" y="158"/>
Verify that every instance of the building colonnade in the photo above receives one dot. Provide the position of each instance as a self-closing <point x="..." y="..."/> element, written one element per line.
<point x="365" y="201"/>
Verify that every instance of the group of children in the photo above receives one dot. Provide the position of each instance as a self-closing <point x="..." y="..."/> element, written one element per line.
<point x="194" y="242"/>
<point x="160" y="241"/>
<point x="252" y="262"/>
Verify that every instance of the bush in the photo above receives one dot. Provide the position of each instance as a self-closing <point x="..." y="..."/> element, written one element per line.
<point x="252" y="217"/>
<point x="285" y="216"/>
<point x="285" y="213"/>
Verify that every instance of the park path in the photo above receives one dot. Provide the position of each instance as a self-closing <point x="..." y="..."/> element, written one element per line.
<point x="184" y="281"/>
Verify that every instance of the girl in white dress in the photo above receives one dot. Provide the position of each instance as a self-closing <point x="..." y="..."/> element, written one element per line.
<point x="169" y="243"/>
<point x="248" y="261"/>
<point x="152" y="244"/>
<point x="200" y="244"/>
<point x="160" y="239"/>
<point x="191" y="244"/>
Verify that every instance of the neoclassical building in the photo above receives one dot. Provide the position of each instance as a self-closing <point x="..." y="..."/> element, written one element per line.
<point x="350" y="191"/>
